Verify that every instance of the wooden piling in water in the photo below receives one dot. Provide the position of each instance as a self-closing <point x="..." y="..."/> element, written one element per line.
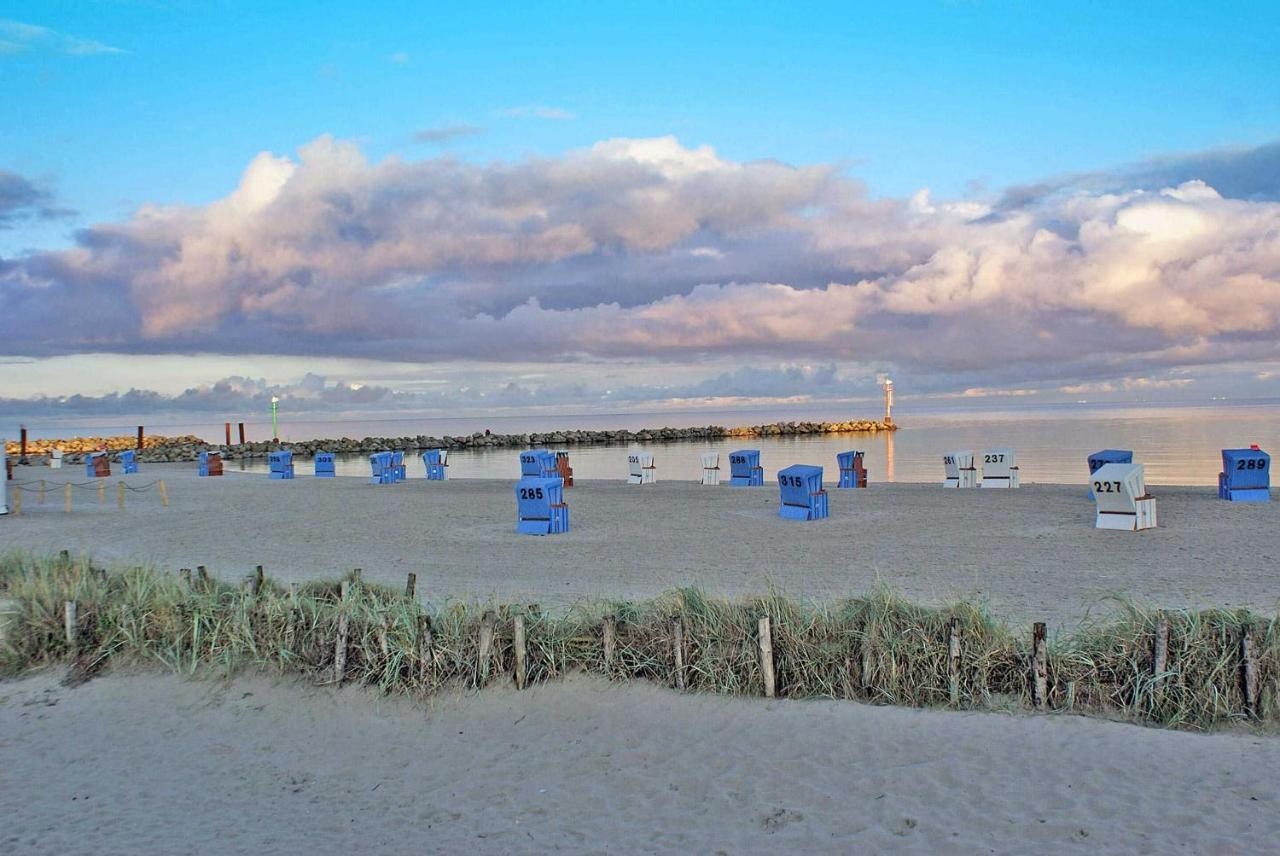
<point x="610" y="634"/>
<point x="517" y="643"/>
<point x="765" y="641"/>
<point x="340" y="644"/>
<point x="1039" y="666"/>
<point x="677" y="644"/>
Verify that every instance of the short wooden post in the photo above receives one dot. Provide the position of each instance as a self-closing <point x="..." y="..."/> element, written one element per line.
<point x="953" y="661"/>
<point x="202" y="577"/>
<point x="17" y="501"/>
<point x="66" y="498"/>
<point x="164" y="493"/>
<point x="487" y="622"/>
<point x="340" y="644"/>
<point x="411" y="586"/>
<point x="69" y="624"/>
<point x="766" y="656"/>
<point x="1039" y="666"/>
<point x="259" y="578"/>
<point x="517" y="642"/>
<point x="866" y="664"/>
<point x="610" y="633"/>
<point x="1159" y="654"/>
<point x="64" y="557"/>
<point x="355" y="576"/>
<point x="426" y="657"/>
<point x="102" y="493"/>
<point x="140" y="438"/>
<point x="184" y="574"/>
<point x="1250" y="664"/>
<point x="40" y="493"/>
<point x="120" y="495"/>
<point x="677" y="644"/>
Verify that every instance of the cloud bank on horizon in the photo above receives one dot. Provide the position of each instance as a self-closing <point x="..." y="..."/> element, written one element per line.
<point x="647" y="249"/>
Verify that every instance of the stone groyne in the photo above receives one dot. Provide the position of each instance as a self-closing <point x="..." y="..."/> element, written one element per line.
<point x="187" y="448"/>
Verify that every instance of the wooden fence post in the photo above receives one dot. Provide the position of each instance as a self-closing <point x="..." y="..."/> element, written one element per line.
<point x="17" y="501"/>
<point x="164" y="493"/>
<point x="102" y="493"/>
<point x="766" y="656"/>
<point x="184" y="574"/>
<point x="1250" y="664"/>
<point x="411" y="586"/>
<point x="610" y="633"/>
<point x="259" y="578"/>
<point x="426" y="657"/>
<point x="1039" y="666"/>
<point x="69" y="624"/>
<point x="340" y="645"/>
<point x="953" y="661"/>
<point x="677" y="643"/>
<point x="120" y="495"/>
<point x="517" y="642"/>
<point x="66" y="498"/>
<point x="202" y="577"/>
<point x="487" y="622"/>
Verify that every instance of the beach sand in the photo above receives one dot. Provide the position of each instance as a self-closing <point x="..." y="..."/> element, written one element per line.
<point x="146" y="764"/>
<point x="1031" y="554"/>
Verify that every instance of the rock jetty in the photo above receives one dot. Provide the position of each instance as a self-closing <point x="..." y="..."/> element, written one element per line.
<point x="188" y="448"/>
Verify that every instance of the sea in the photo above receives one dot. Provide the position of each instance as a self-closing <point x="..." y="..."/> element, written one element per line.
<point x="1178" y="443"/>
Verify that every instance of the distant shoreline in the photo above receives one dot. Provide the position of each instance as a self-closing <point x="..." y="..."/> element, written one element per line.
<point x="159" y="449"/>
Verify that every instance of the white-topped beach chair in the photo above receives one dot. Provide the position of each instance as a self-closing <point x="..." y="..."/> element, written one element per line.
<point x="711" y="468"/>
<point x="960" y="471"/>
<point x="640" y="467"/>
<point x="1000" y="468"/>
<point x="1120" y="490"/>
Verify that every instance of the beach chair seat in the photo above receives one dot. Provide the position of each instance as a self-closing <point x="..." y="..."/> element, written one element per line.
<point x="538" y="462"/>
<point x="801" y="493"/>
<point x="745" y="469"/>
<point x="640" y="467"/>
<point x="381" y="468"/>
<point x="959" y="469"/>
<point x="852" y="472"/>
<point x="435" y="462"/>
<point x="210" y="463"/>
<point x="540" y="506"/>
<point x="1000" y="469"/>
<point x="563" y="469"/>
<point x="128" y="462"/>
<point x="1123" y="503"/>
<point x="97" y="465"/>
<point x="325" y="465"/>
<point x="280" y="464"/>
<point x="55" y="459"/>
<point x="1107" y="456"/>
<point x="710" y="468"/>
<point x="1245" y="476"/>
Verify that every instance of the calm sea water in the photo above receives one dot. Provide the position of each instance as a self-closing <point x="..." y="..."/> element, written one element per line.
<point x="1178" y="444"/>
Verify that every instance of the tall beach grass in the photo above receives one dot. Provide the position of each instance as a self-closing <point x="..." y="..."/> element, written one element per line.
<point x="877" y="647"/>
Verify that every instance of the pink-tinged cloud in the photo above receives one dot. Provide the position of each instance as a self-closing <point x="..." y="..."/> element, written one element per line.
<point x="647" y="248"/>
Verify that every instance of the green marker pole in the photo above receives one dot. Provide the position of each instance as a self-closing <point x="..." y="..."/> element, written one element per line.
<point x="275" y="422"/>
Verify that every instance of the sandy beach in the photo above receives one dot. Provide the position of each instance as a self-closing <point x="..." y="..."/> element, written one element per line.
<point x="161" y="764"/>
<point x="1031" y="554"/>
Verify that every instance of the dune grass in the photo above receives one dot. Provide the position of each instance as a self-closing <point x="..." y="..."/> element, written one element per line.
<point x="877" y="648"/>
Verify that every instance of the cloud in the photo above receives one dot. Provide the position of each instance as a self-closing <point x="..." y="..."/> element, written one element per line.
<point x="398" y="58"/>
<point x="537" y="111"/>
<point x="646" y="249"/>
<point x="446" y="133"/>
<point x="19" y="37"/>
<point x="21" y="198"/>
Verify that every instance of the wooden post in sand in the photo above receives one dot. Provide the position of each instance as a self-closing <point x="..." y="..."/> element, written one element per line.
<point x="184" y="574"/>
<point x="17" y="501"/>
<point x="953" y="661"/>
<point x="517" y="642"/>
<point x="202" y="577"/>
<point x="1250" y="663"/>
<point x="766" y="656"/>
<point x="355" y="576"/>
<point x="120" y="495"/>
<point x="610" y="633"/>
<point x="1039" y="666"/>
<point x="102" y="493"/>
<point x="340" y="644"/>
<point x="66" y="498"/>
<point x="411" y="586"/>
<point x="164" y="493"/>
<point x="677" y="644"/>
<point x="487" y="622"/>
<point x="69" y="624"/>
<point x="425" y="656"/>
<point x="255" y="584"/>
<point x="1159" y="653"/>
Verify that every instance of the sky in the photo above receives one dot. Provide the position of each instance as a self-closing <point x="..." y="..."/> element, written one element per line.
<point x="489" y="207"/>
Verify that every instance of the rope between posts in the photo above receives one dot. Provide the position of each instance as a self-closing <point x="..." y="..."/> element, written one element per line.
<point x="52" y="486"/>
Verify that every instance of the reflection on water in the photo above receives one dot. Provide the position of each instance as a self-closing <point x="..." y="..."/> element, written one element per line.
<point x="1179" y="445"/>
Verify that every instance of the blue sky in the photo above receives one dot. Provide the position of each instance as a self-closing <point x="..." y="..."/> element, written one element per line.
<point x="111" y="107"/>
